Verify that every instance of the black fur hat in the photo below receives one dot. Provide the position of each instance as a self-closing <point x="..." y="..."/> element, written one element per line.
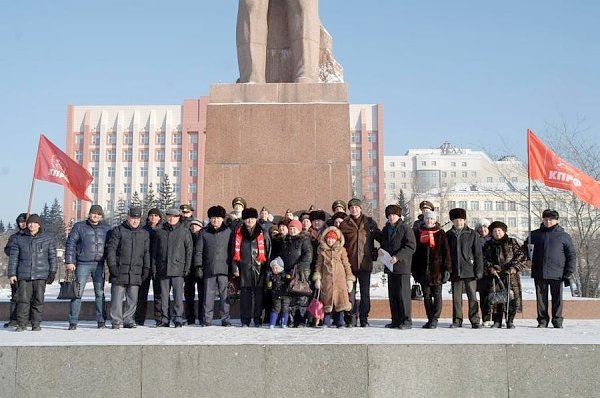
<point x="217" y="211"/>
<point x="250" y="212"/>
<point x="458" y="213"/>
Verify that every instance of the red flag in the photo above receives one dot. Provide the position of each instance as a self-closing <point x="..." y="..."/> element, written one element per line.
<point x="546" y="166"/>
<point x="55" y="166"/>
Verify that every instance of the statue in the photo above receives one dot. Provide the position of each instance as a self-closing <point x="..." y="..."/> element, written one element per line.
<point x="282" y="41"/>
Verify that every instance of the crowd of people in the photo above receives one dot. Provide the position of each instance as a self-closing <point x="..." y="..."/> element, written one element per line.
<point x="275" y="268"/>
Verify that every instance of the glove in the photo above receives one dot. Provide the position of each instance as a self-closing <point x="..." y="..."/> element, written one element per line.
<point x="199" y="273"/>
<point x="318" y="284"/>
<point x="567" y="275"/>
<point x="50" y="278"/>
<point x="350" y="286"/>
<point x="445" y="277"/>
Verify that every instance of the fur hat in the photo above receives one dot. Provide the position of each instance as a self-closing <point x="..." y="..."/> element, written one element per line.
<point x="339" y="214"/>
<point x="154" y="210"/>
<point x="338" y="203"/>
<point x="393" y="209"/>
<point x="425" y="204"/>
<point x="216" y="211"/>
<point x="355" y="202"/>
<point x="317" y="215"/>
<point x="498" y="224"/>
<point x="250" y="212"/>
<point x="304" y="215"/>
<point x="238" y="200"/>
<point x="295" y="223"/>
<point x="458" y="213"/>
<point x="97" y="209"/>
<point x="549" y="213"/>
<point x="430" y="214"/>
<point x="34" y="218"/>
<point x="22" y="218"/>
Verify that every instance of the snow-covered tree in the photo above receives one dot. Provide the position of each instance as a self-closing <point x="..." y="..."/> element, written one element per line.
<point x="166" y="195"/>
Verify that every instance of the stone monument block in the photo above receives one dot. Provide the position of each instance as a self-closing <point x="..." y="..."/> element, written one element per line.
<point x="278" y="145"/>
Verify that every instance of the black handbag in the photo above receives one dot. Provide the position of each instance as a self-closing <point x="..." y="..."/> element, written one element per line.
<point x="500" y="296"/>
<point x="70" y="288"/>
<point x="299" y="285"/>
<point x="416" y="293"/>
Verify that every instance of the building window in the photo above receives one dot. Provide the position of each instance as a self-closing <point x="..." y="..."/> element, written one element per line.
<point x="176" y="155"/>
<point x="444" y="174"/>
<point x="78" y="139"/>
<point x="402" y="164"/>
<point x="490" y="179"/>
<point x="160" y="171"/>
<point x="433" y="163"/>
<point x="143" y="155"/>
<point x="128" y="138"/>
<point x="372" y="171"/>
<point x="194" y="155"/>
<point x="464" y="164"/>
<point x="372" y="137"/>
<point x="474" y="174"/>
<point x="160" y="138"/>
<point x="143" y="172"/>
<point x="514" y="179"/>
<point x="451" y="204"/>
<point x="512" y="206"/>
<point x="512" y="222"/>
<point x="127" y="155"/>
<point x="193" y="137"/>
<point x="110" y="188"/>
<point x="94" y="172"/>
<point x="392" y="164"/>
<point x="356" y="137"/>
<point x="464" y="174"/>
<point x="403" y="174"/>
<point x="392" y="185"/>
<point x="176" y="138"/>
<point x="159" y="155"/>
<point x="95" y="156"/>
<point x="176" y="171"/>
<point x="501" y="179"/>
<point x="95" y="139"/>
<point x="392" y="174"/>
<point x="462" y="204"/>
<point x="126" y="171"/>
<point x="373" y="187"/>
<point x="193" y="171"/>
<point x="176" y="189"/>
<point x="144" y="138"/>
<point x="111" y="155"/>
<point x="94" y="188"/>
<point x="110" y="171"/>
<point x="372" y="154"/>
<point x="355" y="170"/>
<point x="355" y="154"/>
<point x="474" y="205"/>
<point x="488" y="205"/>
<point x="111" y="138"/>
<point x="453" y="164"/>
<point x="453" y="174"/>
<point x="423" y="163"/>
<point x="126" y="188"/>
<point x="192" y="188"/>
<point x="78" y="156"/>
<point x="403" y="185"/>
<point x="500" y="205"/>
<point x="143" y="189"/>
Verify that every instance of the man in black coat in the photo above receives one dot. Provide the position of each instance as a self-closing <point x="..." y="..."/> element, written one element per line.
<point x="128" y="260"/>
<point x="467" y="267"/>
<point x="31" y="264"/>
<point x="21" y="223"/>
<point x="250" y="253"/>
<point x="553" y="261"/>
<point x="171" y="259"/>
<point x="399" y="241"/>
<point x="212" y="262"/>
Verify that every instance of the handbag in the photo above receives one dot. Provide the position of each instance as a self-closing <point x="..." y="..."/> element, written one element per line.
<point x="501" y="295"/>
<point x="233" y="288"/>
<point x="416" y="293"/>
<point x="70" y="288"/>
<point x="299" y="285"/>
<point x="315" y="308"/>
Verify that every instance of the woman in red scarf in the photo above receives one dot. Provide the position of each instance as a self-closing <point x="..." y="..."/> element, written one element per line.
<point x="251" y="249"/>
<point x="431" y="265"/>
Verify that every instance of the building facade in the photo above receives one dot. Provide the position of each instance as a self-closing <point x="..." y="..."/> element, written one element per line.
<point x="129" y="149"/>
<point x="450" y="177"/>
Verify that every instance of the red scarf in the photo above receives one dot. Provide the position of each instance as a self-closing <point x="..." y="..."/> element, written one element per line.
<point x="260" y="243"/>
<point x="427" y="236"/>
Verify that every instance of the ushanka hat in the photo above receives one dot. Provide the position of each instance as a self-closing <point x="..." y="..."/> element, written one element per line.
<point x="216" y="211"/>
<point x="458" y="213"/>
<point x="250" y="212"/>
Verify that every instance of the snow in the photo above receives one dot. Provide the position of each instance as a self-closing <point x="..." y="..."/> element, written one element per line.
<point x="55" y="333"/>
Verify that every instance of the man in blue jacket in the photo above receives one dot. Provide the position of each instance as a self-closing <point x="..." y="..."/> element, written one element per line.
<point x="21" y="222"/>
<point x="552" y="262"/>
<point x="84" y="254"/>
<point x="31" y="265"/>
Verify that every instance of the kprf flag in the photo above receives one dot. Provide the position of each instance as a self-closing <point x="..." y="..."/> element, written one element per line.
<point x="55" y="166"/>
<point x="546" y="166"/>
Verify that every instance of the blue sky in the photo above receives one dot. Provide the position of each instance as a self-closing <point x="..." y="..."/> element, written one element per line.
<point x="474" y="73"/>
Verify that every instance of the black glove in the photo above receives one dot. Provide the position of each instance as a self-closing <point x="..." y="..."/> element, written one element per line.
<point x="445" y="276"/>
<point x="50" y="278"/>
<point x="199" y="273"/>
<point x="567" y="275"/>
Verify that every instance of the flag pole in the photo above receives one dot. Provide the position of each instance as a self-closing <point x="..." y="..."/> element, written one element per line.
<point x="529" y="244"/>
<point x="33" y="178"/>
